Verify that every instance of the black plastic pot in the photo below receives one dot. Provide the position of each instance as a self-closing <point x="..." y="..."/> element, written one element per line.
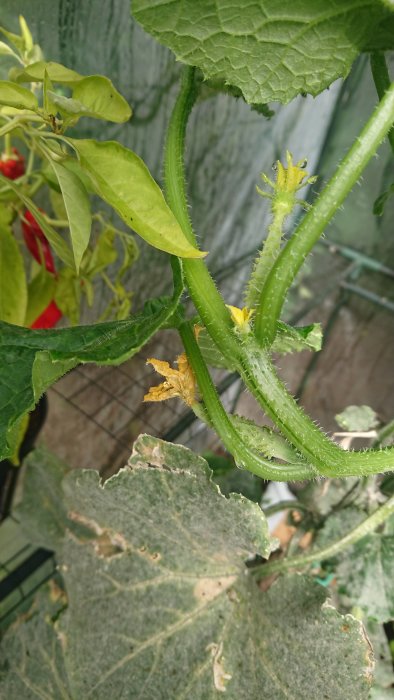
<point x="9" y="473"/>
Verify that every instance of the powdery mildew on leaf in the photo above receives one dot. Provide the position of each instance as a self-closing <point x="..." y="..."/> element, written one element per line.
<point x="272" y="50"/>
<point x="161" y="604"/>
<point x="174" y="612"/>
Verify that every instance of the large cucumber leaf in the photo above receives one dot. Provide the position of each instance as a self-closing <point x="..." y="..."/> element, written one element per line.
<point x="31" y="361"/>
<point x="272" y="50"/>
<point x="164" y="578"/>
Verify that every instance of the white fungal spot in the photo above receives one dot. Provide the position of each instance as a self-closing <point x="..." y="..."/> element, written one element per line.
<point x="220" y="677"/>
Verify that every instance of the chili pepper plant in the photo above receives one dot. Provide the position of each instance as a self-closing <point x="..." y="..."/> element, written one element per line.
<point x="166" y="588"/>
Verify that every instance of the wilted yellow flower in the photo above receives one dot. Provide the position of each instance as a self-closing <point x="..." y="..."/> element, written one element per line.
<point x="178" y="382"/>
<point x="240" y="317"/>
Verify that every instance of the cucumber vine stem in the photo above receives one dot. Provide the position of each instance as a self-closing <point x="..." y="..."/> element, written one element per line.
<point x="300" y="562"/>
<point x="206" y="297"/>
<point x="253" y="361"/>
<point x="314" y="222"/>
<point x="220" y="421"/>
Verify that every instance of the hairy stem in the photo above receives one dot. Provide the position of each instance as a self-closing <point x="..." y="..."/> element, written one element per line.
<point x="220" y="421"/>
<point x="327" y="456"/>
<point x="253" y="361"/>
<point x="206" y="297"/>
<point x="314" y="222"/>
<point x="265" y="260"/>
<point x="300" y="562"/>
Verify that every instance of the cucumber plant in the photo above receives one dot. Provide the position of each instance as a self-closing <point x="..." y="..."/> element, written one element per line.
<point x="173" y="573"/>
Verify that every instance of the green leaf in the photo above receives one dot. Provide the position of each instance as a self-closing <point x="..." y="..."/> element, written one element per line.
<point x="49" y="106"/>
<point x="14" y="39"/>
<point x="357" y="419"/>
<point x="6" y="50"/>
<point x="289" y="339"/>
<point x="165" y="580"/>
<point x="41" y="290"/>
<point x="26" y="34"/>
<point x="13" y="285"/>
<point x="273" y="49"/>
<point x="101" y="100"/>
<point x="35" y="72"/>
<point x="16" y="96"/>
<point x="58" y="244"/>
<point x="366" y="574"/>
<point x="32" y="663"/>
<point x="68" y="294"/>
<point x="103" y="254"/>
<point x="380" y="202"/>
<point x="31" y="361"/>
<point x="383" y="672"/>
<point x="265" y="440"/>
<point x="42" y="492"/>
<point x="122" y="180"/>
<point x="77" y="205"/>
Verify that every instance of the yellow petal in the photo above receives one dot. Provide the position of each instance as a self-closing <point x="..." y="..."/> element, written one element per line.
<point x="240" y="316"/>
<point x="179" y="382"/>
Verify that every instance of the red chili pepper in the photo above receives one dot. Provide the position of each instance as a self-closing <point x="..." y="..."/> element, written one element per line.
<point x="49" y="317"/>
<point x="12" y="166"/>
<point x="40" y="249"/>
<point x="33" y="233"/>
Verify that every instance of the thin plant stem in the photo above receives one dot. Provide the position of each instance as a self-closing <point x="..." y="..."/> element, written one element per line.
<point x="283" y="505"/>
<point x="301" y="562"/>
<point x="315" y="221"/>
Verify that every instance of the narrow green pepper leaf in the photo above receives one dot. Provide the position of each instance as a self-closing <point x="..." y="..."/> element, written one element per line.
<point x="122" y="180"/>
<point x="36" y="72"/>
<point x="17" y="96"/>
<point x="77" y="205"/>
<point x="58" y="244"/>
<point x="101" y="100"/>
<point x="13" y="287"/>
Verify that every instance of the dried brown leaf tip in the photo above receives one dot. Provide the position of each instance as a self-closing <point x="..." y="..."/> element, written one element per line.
<point x="179" y="382"/>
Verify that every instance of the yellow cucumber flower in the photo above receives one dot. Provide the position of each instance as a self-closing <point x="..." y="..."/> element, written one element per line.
<point x="241" y="317"/>
<point x="178" y="382"/>
<point x="289" y="180"/>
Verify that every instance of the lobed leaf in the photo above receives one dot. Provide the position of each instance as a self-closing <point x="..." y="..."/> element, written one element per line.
<point x="164" y="578"/>
<point x="272" y="50"/>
